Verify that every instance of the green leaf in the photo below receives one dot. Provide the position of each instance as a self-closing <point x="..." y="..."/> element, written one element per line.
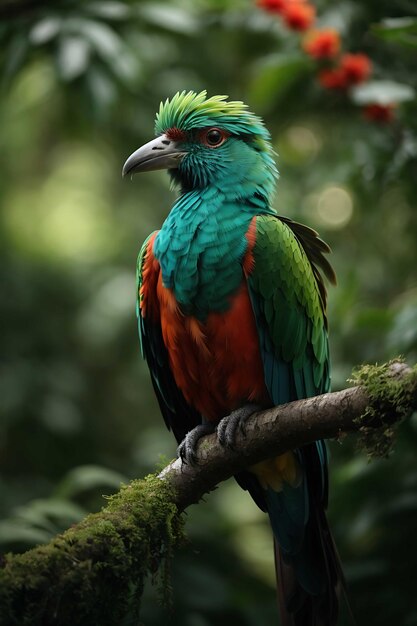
<point x="87" y="477"/>
<point x="42" y="512"/>
<point x="45" y="30"/>
<point x="101" y="87"/>
<point x="109" y="10"/>
<point x="32" y="517"/>
<point x="401" y="30"/>
<point x="403" y="336"/>
<point x="14" y="533"/>
<point x="382" y="92"/>
<point x="273" y="76"/>
<point x="103" y="38"/>
<point x="107" y="44"/>
<point x="73" y="57"/>
<point x="169" y="18"/>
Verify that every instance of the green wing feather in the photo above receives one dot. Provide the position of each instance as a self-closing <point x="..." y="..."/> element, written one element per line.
<point x="289" y="300"/>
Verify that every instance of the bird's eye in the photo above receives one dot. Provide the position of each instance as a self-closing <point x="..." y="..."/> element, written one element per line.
<point x="214" y="137"/>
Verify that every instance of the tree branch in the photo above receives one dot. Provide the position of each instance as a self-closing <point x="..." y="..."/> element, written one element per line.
<point x="87" y="574"/>
<point x="386" y="394"/>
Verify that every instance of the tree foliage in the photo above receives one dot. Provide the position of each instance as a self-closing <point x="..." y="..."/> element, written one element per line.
<point x="81" y="83"/>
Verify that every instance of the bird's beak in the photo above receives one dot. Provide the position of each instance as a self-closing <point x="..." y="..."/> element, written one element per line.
<point x="158" y="154"/>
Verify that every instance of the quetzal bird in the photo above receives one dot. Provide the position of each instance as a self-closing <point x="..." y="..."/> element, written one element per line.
<point x="231" y="312"/>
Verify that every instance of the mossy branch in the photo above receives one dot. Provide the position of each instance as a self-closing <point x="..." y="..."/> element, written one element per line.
<point x="94" y="572"/>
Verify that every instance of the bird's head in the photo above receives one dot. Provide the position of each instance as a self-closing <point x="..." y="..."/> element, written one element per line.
<point x="208" y="141"/>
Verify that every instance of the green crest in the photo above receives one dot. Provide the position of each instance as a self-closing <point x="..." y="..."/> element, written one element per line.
<point x="191" y="110"/>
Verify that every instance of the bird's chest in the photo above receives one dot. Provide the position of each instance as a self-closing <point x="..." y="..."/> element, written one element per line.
<point x="216" y="362"/>
<point x="201" y="261"/>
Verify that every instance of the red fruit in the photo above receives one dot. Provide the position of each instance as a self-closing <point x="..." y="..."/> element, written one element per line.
<point x="322" y="44"/>
<point x="333" y="79"/>
<point x="298" y="15"/>
<point x="272" y="6"/>
<point x="383" y="113"/>
<point x="357" y="67"/>
<point x="353" y="69"/>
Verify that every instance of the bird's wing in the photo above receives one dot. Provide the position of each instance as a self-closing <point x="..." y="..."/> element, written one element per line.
<point x="178" y="415"/>
<point x="288" y="299"/>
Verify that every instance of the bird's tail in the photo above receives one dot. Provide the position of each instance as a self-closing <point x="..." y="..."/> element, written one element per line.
<point x="309" y="573"/>
<point x="301" y="603"/>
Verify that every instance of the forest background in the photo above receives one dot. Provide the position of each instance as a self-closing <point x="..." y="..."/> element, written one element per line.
<point x="81" y="82"/>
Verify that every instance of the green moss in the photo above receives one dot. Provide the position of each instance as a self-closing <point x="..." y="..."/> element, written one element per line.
<point x="94" y="573"/>
<point x="392" y="399"/>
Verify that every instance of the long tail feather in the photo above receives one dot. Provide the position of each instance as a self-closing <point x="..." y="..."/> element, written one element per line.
<point x="298" y="606"/>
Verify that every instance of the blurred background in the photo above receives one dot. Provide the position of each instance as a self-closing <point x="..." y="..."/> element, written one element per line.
<point x="81" y="82"/>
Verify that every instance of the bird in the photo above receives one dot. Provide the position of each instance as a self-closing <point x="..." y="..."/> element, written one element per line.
<point x="231" y="307"/>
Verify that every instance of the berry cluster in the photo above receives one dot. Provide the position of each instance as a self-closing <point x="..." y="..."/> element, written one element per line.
<point x="341" y="70"/>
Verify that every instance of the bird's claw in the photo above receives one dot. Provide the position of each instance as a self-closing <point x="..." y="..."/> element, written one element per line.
<point x="187" y="450"/>
<point x="230" y="425"/>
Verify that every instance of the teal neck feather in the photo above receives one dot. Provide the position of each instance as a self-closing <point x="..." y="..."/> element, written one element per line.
<point x="201" y="245"/>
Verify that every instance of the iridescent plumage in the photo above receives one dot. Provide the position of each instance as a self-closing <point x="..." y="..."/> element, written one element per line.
<point x="231" y="311"/>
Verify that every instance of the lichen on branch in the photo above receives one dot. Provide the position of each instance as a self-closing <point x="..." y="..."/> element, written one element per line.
<point x="391" y="399"/>
<point x="94" y="572"/>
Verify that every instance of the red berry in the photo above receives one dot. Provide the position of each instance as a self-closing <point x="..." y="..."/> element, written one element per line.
<point x="298" y="15"/>
<point x="322" y="44"/>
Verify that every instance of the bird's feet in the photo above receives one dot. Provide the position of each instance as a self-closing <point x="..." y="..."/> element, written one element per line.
<point x="227" y="430"/>
<point x="230" y="425"/>
<point x="187" y="450"/>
